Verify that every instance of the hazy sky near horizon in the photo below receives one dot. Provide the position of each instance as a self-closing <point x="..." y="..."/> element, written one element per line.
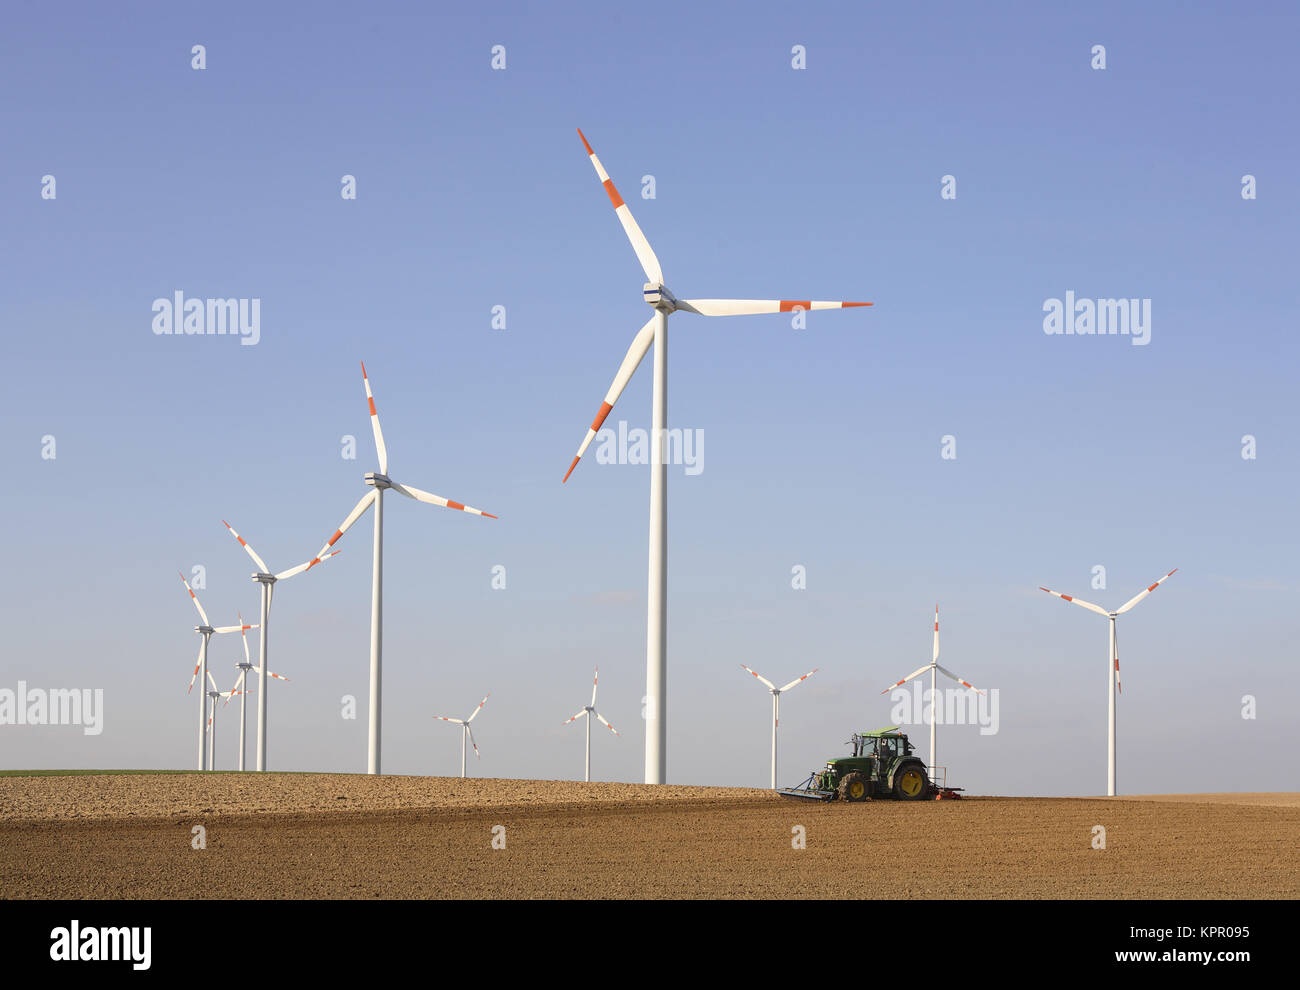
<point x="822" y="447"/>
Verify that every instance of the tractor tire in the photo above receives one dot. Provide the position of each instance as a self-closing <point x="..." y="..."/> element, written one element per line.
<point x="911" y="783"/>
<point x="854" y="787"/>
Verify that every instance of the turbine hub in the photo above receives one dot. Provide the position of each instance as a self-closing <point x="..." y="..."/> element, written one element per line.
<point x="377" y="480"/>
<point x="264" y="578"/>
<point x="658" y="296"/>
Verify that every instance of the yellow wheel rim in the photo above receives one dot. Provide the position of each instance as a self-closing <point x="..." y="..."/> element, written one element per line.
<point x="911" y="783"/>
<point x="856" y="789"/>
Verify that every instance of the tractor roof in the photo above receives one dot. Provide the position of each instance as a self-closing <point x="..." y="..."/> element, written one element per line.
<point x="888" y="731"/>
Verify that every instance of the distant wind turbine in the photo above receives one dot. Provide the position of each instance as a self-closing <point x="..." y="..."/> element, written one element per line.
<point x="201" y="666"/>
<point x="586" y="713"/>
<point x="467" y="733"/>
<point x="1112" y="662"/>
<point x="776" y="693"/>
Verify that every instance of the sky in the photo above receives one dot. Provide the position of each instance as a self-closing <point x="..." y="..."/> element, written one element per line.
<point x="938" y="447"/>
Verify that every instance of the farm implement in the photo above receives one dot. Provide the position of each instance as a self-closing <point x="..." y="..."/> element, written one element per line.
<point x="882" y="766"/>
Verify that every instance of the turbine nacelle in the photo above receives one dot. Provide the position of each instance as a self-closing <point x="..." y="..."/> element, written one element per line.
<point x="658" y="296"/>
<point x="377" y="480"/>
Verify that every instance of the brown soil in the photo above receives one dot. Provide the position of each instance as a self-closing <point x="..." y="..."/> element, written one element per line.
<point x="289" y="836"/>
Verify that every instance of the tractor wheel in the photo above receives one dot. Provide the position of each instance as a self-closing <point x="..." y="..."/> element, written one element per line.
<point x="911" y="783"/>
<point x="854" y="787"/>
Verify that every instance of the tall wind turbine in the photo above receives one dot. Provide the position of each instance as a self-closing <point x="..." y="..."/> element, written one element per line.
<point x="656" y="294"/>
<point x="378" y="481"/>
<point x="776" y="693"/>
<point x="267" y="580"/>
<point x="934" y="669"/>
<point x="586" y="713"/>
<point x="1112" y="662"/>
<point x="468" y="733"/>
<point x="201" y="666"/>
<point x="242" y="692"/>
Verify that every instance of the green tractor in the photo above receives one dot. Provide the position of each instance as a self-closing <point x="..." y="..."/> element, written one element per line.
<point x="882" y="766"/>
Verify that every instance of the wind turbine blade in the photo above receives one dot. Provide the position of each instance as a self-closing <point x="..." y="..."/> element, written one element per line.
<point x="212" y="680"/>
<point x="575" y="718"/>
<point x="422" y="496"/>
<point x="197" y="664"/>
<point x="607" y="725"/>
<point x="640" y="345"/>
<point x="244" y="636"/>
<point x="752" y="307"/>
<point x="770" y="685"/>
<point x="374" y="424"/>
<point x="353" y="516"/>
<point x="229" y="629"/>
<point x="1077" y="601"/>
<point x="915" y="673"/>
<point x="935" y="659"/>
<point x="478" y="709"/>
<point x="202" y="614"/>
<point x="1142" y="594"/>
<point x="305" y="565"/>
<point x="800" y="680"/>
<point x="595" y="678"/>
<point x="945" y="670"/>
<point x="278" y="677"/>
<point x="261" y="564"/>
<point x="644" y="253"/>
<point x="471" y="740"/>
<point x="444" y="718"/>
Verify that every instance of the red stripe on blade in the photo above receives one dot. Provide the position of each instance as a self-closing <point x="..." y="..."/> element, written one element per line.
<point x="788" y="305"/>
<point x="570" y="471"/>
<point x="372" y="406"/>
<point x="846" y="305"/>
<point x="614" y="197"/>
<point x="584" y="142"/>
<point x="605" y="407"/>
<point x="454" y="505"/>
<point x="337" y="534"/>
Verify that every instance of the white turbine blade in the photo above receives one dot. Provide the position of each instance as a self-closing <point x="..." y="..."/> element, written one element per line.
<point x="752" y="307"/>
<point x="243" y="634"/>
<point x="935" y="658"/>
<point x="1077" y="601"/>
<point x="1118" y="686"/>
<point x="945" y="670"/>
<point x="374" y="424"/>
<point x="305" y="565"/>
<point x="644" y="253"/>
<point x="595" y="679"/>
<point x="353" y="516"/>
<point x="640" y="345"/>
<point x="261" y="564"/>
<point x="272" y="673"/>
<point x="1142" y="594"/>
<point x="444" y="718"/>
<point x="198" y="662"/>
<point x="915" y="673"/>
<point x="607" y="725"/>
<point x="800" y="680"/>
<point x="575" y="718"/>
<point x="212" y="680"/>
<point x="471" y="740"/>
<point x="478" y="709"/>
<point x="239" y="629"/>
<point x="202" y="614"/>
<point x="770" y="685"/>
<point x="423" y="496"/>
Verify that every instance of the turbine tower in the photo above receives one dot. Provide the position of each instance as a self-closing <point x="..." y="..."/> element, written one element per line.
<point x="655" y="332"/>
<point x="1112" y="663"/>
<point x="378" y="482"/>
<point x="586" y="713"/>
<point x="776" y="693"/>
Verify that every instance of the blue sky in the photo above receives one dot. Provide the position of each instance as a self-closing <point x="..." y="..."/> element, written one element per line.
<point x="822" y="445"/>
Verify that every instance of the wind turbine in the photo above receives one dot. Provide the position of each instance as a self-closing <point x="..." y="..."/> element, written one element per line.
<point x="242" y="692"/>
<point x="586" y="713"/>
<point x="656" y="294"/>
<point x="215" y="696"/>
<point x="267" y="580"/>
<point x="776" y="693"/>
<point x="378" y="481"/>
<point x="201" y="665"/>
<point x="934" y="669"/>
<point x="1112" y="662"/>
<point x="468" y="733"/>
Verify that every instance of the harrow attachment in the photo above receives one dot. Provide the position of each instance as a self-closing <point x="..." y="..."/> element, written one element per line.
<point x="807" y="791"/>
